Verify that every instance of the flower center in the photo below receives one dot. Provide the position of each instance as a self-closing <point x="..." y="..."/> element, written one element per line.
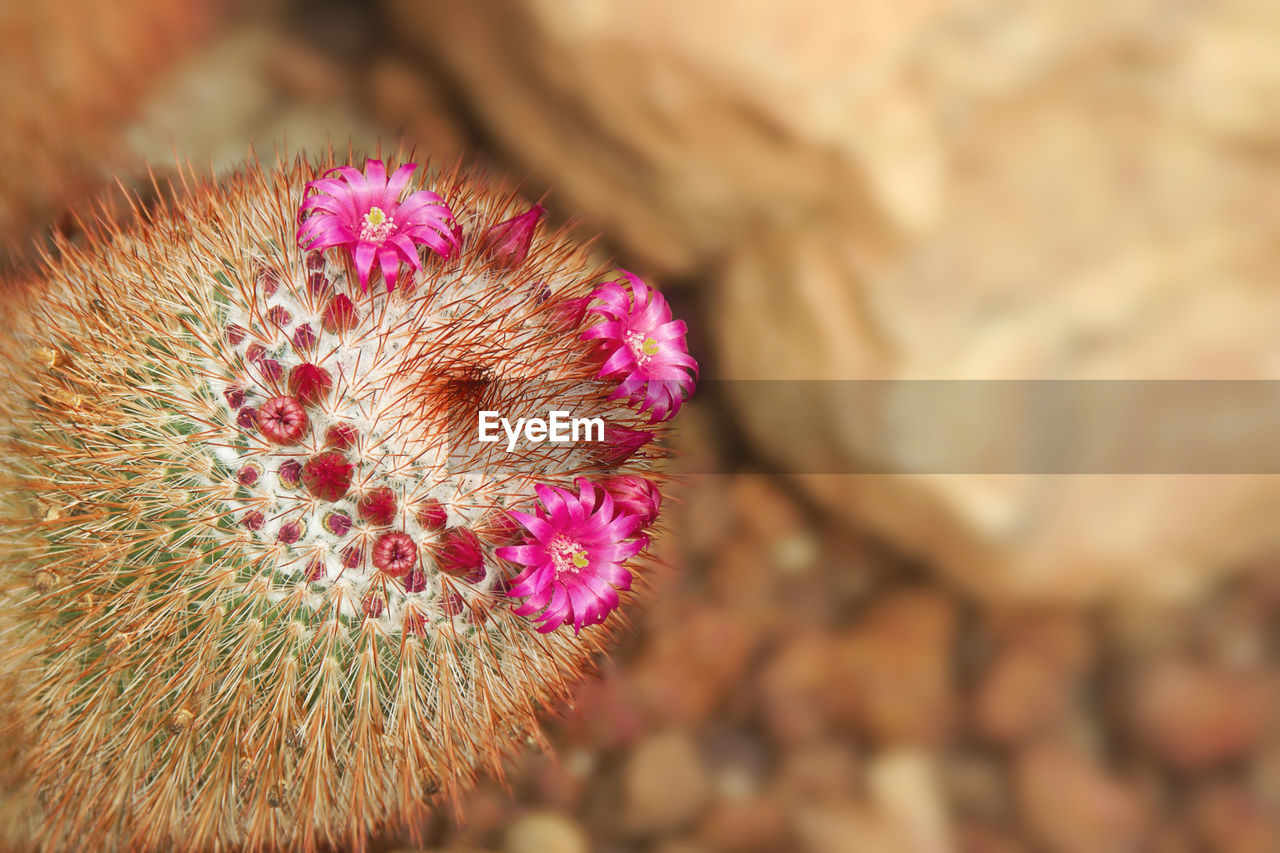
<point x="567" y="555"/>
<point x="643" y="347"/>
<point x="377" y="226"/>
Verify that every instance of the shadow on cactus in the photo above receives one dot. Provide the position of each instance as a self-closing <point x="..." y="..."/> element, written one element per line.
<point x="266" y="586"/>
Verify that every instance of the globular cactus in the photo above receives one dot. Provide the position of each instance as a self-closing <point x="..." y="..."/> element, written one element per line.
<point x="265" y="586"/>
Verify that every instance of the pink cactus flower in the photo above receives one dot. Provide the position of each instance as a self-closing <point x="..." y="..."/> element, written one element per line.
<point x="574" y="554"/>
<point x="643" y="347"/>
<point x="363" y="213"/>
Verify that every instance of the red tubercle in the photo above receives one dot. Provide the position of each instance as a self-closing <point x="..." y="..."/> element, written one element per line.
<point x="268" y="280"/>
<point x="340" y="315"/>
<point x="377" y="506"/>
<point x="235" y="396"/>
<point x="351" y="556"/>
<point x="340" y="436"/>
<point x="249" y="474"/>
<point x="450" y="603"/>
<point x="318" y="286"/>
<point x="290" y="532"/>
<point x="235" y="334"/>
<point x="304" y="337"/>
<point x="373" y="605"/>
<point x="290" y="472"/>
<point x="270" y="369"/>
<point x="327" y="475"/>
<point x="315" y="261"/>
<point x="395" y="553"/>
<point x="279" y="315"/>
<point x="338" y="523"/>
<point x="256" y="352"/>
<point x="431" y="514"/>
<point x="315" y="571"/>
<point x="416" y="580"/>
<point x="247" y="418"/>
<point x="282" y="420"/>
<point x="252" y="520"/>
<point x="310" y="383"/>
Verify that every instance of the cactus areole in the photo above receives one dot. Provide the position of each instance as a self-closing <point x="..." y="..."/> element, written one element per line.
<point x="264" y="587"/>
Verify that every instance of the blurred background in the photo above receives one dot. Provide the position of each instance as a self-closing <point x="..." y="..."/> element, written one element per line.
<point x="977" y="657"/>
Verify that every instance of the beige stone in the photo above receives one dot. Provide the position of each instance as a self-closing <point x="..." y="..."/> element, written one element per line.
<point x="673" y="125"/>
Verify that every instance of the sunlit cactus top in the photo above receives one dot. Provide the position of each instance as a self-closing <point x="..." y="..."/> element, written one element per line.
<point x="268" y="583"/>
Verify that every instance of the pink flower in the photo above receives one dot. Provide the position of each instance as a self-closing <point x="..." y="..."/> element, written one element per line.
<point x="574" y="553"/>
<point x="363" y="213"/>
<point x="643" y="346"/>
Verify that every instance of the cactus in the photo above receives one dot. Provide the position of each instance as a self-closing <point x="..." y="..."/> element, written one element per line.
<point x="264" y="586"/>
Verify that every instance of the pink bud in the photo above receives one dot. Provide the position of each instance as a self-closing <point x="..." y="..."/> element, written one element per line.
<point x="395" y="553"/>
<point x="310" y="383"/>
<point x="282" y="420"/>
<point x="619" y="444"/>
<point x="290" y="532"/>
<point x="566" y="314"/>
<point x="327" y="475"/>
<point x="378" y="506"/>
<point x="341" y="436"/>
<point x="508" y="242"/>
<point x="458" y="554"/>
<point x="634" y="495"/>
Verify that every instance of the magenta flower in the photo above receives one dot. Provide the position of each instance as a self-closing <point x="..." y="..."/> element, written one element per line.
<point x="574" y="553"/>
<point x="364" y="214"/>
<point x="643" y="346"/>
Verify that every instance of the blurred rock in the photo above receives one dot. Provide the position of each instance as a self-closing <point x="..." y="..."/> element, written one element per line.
<point x="666" y="784"/>
<point x="751" y="824"/>
<point x="822" y="771"/>
<point x="684" y="114"/>
<point x="241" y="90"/>
<point x="904" y="784"/>
<point x="978" y="786"/>
<point x="72" y="74"/>
<point x="692" y="660"/>
<point x="412" y="104"/>
<point x="1195" y="717"/>
<point x="847" y="827"/>
<point x="1072" y="805"/>
<point x="545" y="832"/>
<point x="1020" y="695"/>
<point x="792" y="688"/>
<point x="1230" y="819"/>
<point x="892" y="675"/>
<point x="1088" y="233"/>
<point x="972" y="837"/>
